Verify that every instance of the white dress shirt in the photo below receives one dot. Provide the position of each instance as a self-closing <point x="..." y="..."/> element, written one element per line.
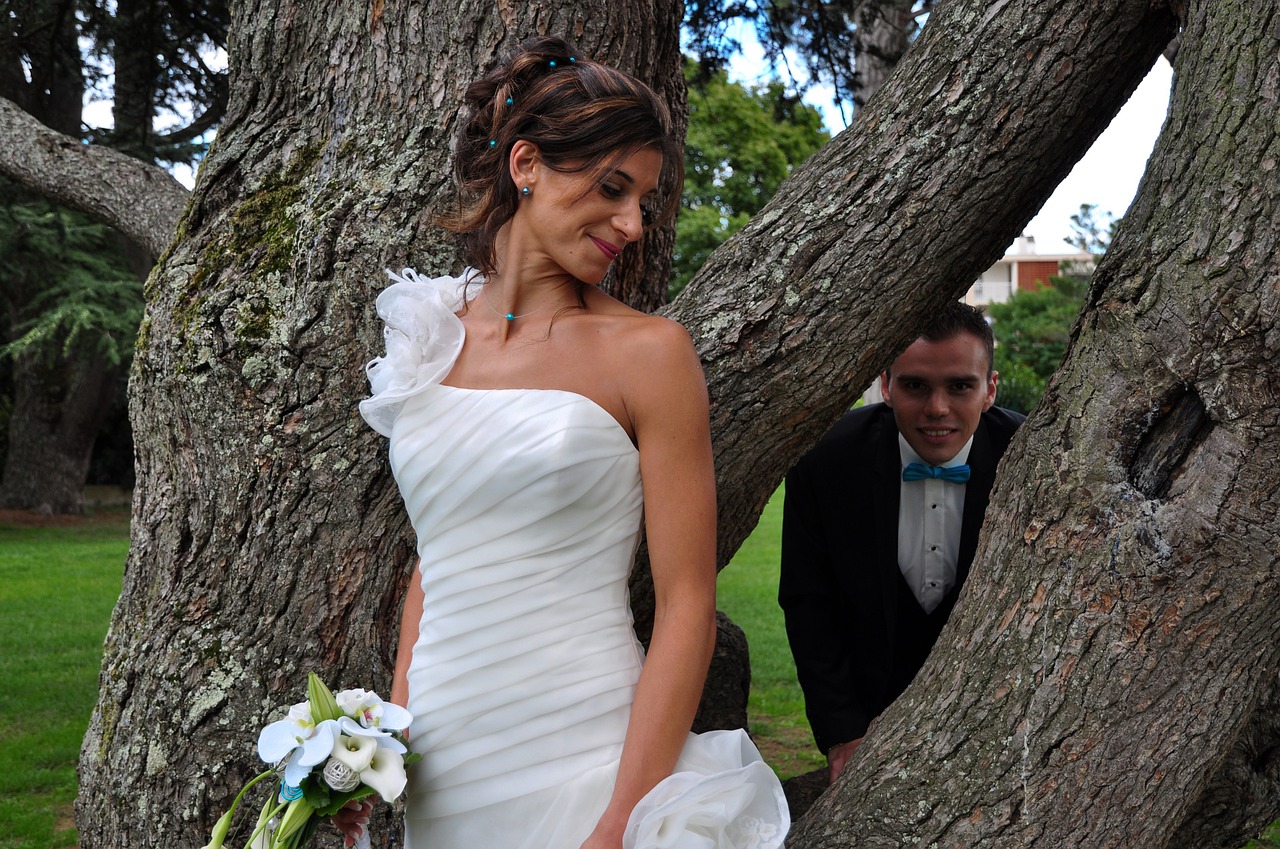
<point x="930" y="513"/>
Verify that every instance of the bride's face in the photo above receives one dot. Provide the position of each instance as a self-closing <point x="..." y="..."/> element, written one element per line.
<point x="582" y="227"/>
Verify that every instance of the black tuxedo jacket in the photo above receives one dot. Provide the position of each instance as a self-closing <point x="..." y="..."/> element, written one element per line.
<point x="841" y="584"/>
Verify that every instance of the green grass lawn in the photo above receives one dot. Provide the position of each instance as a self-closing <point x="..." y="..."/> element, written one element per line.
<point x="748" y="592"/>
<point x="57" y="588"/>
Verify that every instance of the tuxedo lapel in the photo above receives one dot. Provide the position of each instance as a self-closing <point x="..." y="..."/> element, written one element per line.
<point x="887" y="493"/>
<point x="982" y="472"/>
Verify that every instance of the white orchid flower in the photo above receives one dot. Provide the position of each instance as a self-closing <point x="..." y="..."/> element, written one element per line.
<point x="303" y="746"/>
<point x="368" y="708"/>
<point x="352" y="728"/>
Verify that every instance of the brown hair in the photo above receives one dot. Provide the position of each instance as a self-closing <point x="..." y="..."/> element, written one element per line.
<point x="958" y="317"/>
<point x="584" y="117"/>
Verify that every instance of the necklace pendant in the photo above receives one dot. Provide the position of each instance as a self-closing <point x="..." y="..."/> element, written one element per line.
<point x="510" y="317"/>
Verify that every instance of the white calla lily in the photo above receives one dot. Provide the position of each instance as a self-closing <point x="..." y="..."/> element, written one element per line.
<point x="356" y="740"/>
<point x="385" y="774"/>
<point x="355" y="752"/>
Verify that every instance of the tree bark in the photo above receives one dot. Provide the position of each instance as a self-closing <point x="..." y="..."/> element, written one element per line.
<point x="1111" y="668"/>
<point x="140" y="200"/>
<point x="268" y="539"/>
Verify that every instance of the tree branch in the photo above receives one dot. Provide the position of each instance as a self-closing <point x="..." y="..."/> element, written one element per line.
<point x="140" y="200"/>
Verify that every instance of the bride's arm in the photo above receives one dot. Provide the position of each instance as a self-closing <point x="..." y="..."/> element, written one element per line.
<point x="667" y="401"/>
<point x="410" y="619"/>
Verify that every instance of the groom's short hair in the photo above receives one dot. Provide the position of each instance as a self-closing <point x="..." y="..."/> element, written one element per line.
<point x="956" y="318"/>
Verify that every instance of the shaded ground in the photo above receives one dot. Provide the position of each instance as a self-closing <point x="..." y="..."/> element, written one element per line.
<point x="106" y="505"/>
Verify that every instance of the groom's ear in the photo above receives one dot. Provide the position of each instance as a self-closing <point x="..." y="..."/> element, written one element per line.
<point x="884" y="387"/>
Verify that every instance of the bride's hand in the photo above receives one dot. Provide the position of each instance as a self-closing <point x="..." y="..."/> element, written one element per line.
<point x="596" y="841"/>
<point x="605" y="837"/>
<point x="353" y="821"/>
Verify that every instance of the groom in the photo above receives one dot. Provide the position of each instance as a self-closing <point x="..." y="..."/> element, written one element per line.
<point x="880" y="524"/>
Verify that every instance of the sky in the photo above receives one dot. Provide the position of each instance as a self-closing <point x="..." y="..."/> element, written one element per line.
<point x="1108" y="174"/>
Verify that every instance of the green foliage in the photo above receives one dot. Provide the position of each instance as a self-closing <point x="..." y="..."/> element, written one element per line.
<point x="1020" y="388"/>
<point x="1032" y="330"/>
<point x="1092" y="229"/>
<point x="742" y="143"/>
<point x="84" y="300"/>
<point x="1033" y="327"/>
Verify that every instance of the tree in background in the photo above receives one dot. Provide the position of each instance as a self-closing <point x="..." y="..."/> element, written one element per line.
<point x="742" y="143"/>
<point x="70" y="288"/>
<point x="67" y="344"/>
<point x="1033" y="327"/>
<point x="851" y="45"/>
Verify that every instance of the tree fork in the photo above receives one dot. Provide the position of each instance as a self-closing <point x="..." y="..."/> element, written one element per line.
<point x="1109" y="677"/>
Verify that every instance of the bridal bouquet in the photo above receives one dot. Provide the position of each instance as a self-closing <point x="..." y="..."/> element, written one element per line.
<point x="331" y="750"/>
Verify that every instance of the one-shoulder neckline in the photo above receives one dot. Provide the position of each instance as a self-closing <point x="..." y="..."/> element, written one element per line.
<point x="578" y="396"/>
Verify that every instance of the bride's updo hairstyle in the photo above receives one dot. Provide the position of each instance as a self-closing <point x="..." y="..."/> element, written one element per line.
<point x="584" y="118"/>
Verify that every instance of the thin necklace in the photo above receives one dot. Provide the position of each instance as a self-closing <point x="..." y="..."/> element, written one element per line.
<point x="508" y="316"/>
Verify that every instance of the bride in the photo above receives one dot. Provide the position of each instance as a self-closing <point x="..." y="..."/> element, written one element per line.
<point x="535" y="425"/>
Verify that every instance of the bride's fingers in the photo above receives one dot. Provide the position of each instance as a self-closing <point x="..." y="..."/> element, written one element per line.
<point x="352" y="820"/>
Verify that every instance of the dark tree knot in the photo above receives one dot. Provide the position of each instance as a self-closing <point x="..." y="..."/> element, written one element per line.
<point x="1179" y="427"/>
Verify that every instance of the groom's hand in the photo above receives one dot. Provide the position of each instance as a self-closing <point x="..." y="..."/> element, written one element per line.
<point x="838" y="756"/>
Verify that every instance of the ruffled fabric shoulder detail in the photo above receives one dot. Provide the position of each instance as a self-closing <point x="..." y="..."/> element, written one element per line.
<point x="721" y="796"/>
<point x="423" y="338"/>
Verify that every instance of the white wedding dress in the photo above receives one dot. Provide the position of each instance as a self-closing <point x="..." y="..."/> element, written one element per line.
<point x="527" y="506"/>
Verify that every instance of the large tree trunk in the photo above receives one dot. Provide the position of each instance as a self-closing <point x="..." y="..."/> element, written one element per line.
<point x="1109" y="677"/>
<point x="268" y="539"/>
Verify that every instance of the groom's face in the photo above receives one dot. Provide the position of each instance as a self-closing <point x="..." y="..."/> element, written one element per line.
<point x="938" y="392"/>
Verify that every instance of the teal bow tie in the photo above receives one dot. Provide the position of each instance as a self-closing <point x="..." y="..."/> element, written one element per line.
<point x="919" y="471"/>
